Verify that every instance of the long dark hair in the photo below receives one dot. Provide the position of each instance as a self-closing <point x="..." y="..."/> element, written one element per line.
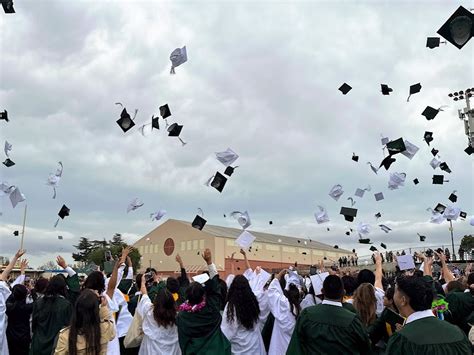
<point x="294" y="297"/>
<point x="164" y="308"/>
<point x="95" y="281"/>
<point x="242" y="303"/>
<point x="85" y="321"/>
<point x="56" y="287"/>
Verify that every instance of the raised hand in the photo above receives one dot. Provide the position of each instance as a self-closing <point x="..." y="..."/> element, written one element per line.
<point x="179" y="260"/>
<point x="125" y="251"/>
<point x="19" y="253"/>
<point x="23" y="265"/>
<point x="61" y="262"/>
<point x="242" y="251"/>
<point x="207" y="256"/>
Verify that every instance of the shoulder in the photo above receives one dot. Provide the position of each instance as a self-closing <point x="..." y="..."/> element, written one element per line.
<point x="64" y="331"/>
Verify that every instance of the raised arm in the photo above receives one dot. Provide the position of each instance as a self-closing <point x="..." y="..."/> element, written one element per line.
<point x="447" y="274"/>
<point x="20" y="279"/>
<point x="130" y="269"/>
<point x="9" y="268"/>
<point x="378" y="271"/>
<point x="247" y="264"/>
<point x="427" y="266"/>
<point x="183" y="278"/>
<point x="114" y="277"/>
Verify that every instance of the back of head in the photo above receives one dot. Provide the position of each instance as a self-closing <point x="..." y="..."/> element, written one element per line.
<point x="294" y="297"/>
<point x="223" y="291"/>
<point x="85" y="321"/>
<point x="56" y="287"/>
<point x="172" y="285"/>
<point x="41" y="284"/>
<point x="454" y="286"/>
<point x="366" y="276"/>
<point x="470" y="279"/>
<point x="333" y="288"/>
<point x="195" y="293"/>
<point x="350" y="284"/>
<point x="95" y="281"/>
<point x="365" y="303"/>
<point x="164" y="308"/>
<point x="242" y="303"/>
<point x="418" y="290"/>
<point x="19" y="293"/>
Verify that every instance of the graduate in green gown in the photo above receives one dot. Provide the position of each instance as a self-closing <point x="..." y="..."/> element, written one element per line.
<point x="329" y="328"/>
<point x="199" y="318"/>
<point x="422" y="332"/>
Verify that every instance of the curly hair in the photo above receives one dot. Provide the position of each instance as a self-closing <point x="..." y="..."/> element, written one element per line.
<point x="164" y="308"/>
<point x="365" y="303"/>
<point x="419" y="292"/>
<point x="242" y="303"/>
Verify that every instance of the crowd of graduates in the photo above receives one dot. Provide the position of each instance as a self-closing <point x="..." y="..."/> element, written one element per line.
<point x="356" y="311"/>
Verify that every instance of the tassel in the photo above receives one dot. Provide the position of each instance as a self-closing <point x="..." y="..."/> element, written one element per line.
<point x="56" y="224"/>
<point x="182" y="142"/>
<point x="408" y="100"/>
<point x="172" y="70"/>
<point x="54" y="193"/>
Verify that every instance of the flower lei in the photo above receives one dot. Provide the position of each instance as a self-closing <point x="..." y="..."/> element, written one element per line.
<point x="439" y="307"/>
<point x="186" y="307"/>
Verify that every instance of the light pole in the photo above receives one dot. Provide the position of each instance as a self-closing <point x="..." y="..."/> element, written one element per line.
<point x="466" y="115"/>
<point x="452" y="237"/>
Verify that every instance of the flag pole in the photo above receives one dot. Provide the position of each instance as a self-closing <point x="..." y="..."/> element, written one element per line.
<point x="23" y="231"/>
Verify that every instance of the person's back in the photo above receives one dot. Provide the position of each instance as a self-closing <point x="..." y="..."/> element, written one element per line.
<point x="18" y="313"/>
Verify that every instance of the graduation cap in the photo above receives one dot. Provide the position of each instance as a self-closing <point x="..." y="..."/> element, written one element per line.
<point x="16" y="233"/>
<point x="443" y="166"/>
<point x="8" y="6"/>
<point x="378" y="196"/>
<point x="433" y="42"/>
<point x="63" y="212"/>
<point x="8" y="163"/>
<point x="4" y="115"/>
<point x="383" y="245"/>
<point x="430" y="112"/>
<point x="453" y="197"/>
<point x="372" y="248"/>
<point x="416" y="181"/>
<point x="414" y="89"/>
<point x="229" y="171"/>
<point x="385" y="89"/>
<point x="199" y="222"/>
<point x="438" y="179"/>
<point x="364" y="241"/>
<point x="434" y="163"/>
<point x="125" y="122"/>
<point x="16" y="197"/>
<point x="155" y="123"/>
<point x="387" y="162"/>
<point x="458" y="28"/>
<point x="60" y="237"/>
<point x="336" y="247"/>
<point x="396" y="146"/>
<point x="469" y="150"/>
<point x="165" y="111"/>
<point x="378" y="215"/>
<point x="422" y="237"/>
<point x="345" y="88"/>
<point x="355" y="157"/>
<point x="218" y="182"/>
<point x="348" y="213"/>
<point x="178" y="57"/>
<point x="174" y="131"/>
<point x="270" y="222"/>
<point x="428" y="137"/>
<point x="440" y="208"/>
<point x="434" y="152"/>
<point x="463" y="214"/>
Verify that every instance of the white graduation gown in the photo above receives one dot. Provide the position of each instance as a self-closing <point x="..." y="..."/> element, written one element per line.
<point x="284" y="320"/>
<point x="113" y="347"/>
<point x="4" y="294"/>
<point x="157" y="340"/>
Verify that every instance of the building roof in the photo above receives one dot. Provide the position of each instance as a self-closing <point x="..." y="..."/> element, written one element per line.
<point x="233" y="233"/>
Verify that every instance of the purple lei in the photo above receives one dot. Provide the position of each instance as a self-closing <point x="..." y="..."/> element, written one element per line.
<point x="186" y="307"/>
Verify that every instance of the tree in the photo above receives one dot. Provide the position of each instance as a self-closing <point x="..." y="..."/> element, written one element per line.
<point x="467" y="242"/>
<point x="117" y="240"/>
<point x="84" y="247"/>
<point x="98" y="255"/>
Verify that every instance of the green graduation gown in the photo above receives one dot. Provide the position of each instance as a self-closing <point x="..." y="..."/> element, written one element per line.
<point x="429" y="336"/>
<point x="200" y="332"/>
<point x="328" y="329"/>
<point x="461" y="305"/>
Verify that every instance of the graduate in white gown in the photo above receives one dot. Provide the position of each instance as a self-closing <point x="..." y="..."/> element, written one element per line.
<point x="285" y="307"/>
<point x="159" y="323"/>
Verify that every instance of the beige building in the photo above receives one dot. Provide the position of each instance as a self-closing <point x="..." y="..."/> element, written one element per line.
<point x="271" y="251"/>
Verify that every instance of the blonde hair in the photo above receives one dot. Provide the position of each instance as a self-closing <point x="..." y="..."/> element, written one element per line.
<point x="365" y="303"/>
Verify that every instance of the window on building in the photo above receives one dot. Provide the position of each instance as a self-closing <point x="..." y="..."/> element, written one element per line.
<point x="183" y="246"/>
<point x="140" y="249"/>
<point x="230" y="242"/>
<point x="272" y="247"/>
<point x="146" y="249"/>
<point x="195" y="244"/>
<point x="318" y="252"/>
<point x="157" y="248"/>
<point x="189" y="245"/>
<point x="201" y="244"/>
<point x="301" y="251"/>
<point x="289" y="249"/>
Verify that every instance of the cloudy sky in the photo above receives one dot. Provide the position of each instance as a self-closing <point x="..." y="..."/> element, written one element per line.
<point x="262" y="78"/>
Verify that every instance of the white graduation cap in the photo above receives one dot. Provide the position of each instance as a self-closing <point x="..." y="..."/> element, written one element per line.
<point x="322" y="215"/>
<point x="471" y="222"/>
<point x="384" y="140"/>
<point x="435" y="163"/>
<point x="336" y="192"/>
<point x="405" y="262"/>
<point x="134" y="204"/>
<point x="374" y="169"/>
<point x="53" y="179"/>
<point x="317" y="282"/>
<point x="360" y="192"/>
<point x="385" y="228"/>
<point x="201" y="278"/>
<point x="156" y="216"/>
<point x="396" y="180"/>
<point x="242" y="217"/>
<point x="411" y="149"/>
<point x="436" y="217"/>
<point x="178" y="57"/>
<point x="16" y="197"/>
<point x="451" y="213"/>
<point x="5" y="188"/>
<point x="363" y="228"/>
<point x="227" y="157"/>
<point x="7" y="148"/>
<point x="293" y="278"/>
<point x="245" y="240"/>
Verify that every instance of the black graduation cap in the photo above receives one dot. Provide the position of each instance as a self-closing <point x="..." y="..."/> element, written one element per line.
<point x="348" y="233"/>
<point x="64" y="212"/>
<point x="383" y="245"/>
<point x="355" y="157"/>
<point x="422" y="237"/>
<point x="387" y="161"/>
<point x="348" y="213"/>
<point x="428" y="137"/>
<point x="438" y="179"/>
<point x="4" y="115"/>
<point x="60" y="237"/>
<point x="443" y="166"/>
<point x="345" y="88"/>
<point x="416" y="181"/>
<point x="8" y="6"/>
<point x="270" y="222"/>
<point x="440" y="208"/>
<point x="372" y="248"/>
<point x="458" y="28"/>
<point x="155" y="123"/>
<point x="336" y="247"/>
<point x="165" y="111"/>
<point x="219" y="181"/>
<point x="353" y="250"/>
<point x="469" y="150"/>
<point x="378" y="215"/>
<point x="414" y="89"/>
<point x="396" y="146"/>
<point x="430" y="112"/>
<point x="434" y="152"/>
<point x="16" y="233"/>
<point x="364" y="241"/>
<point x="125" y="121"/>
<point x="174" y="130"/>
<point x="229" y="171"/>
<point x="199" y="222"/>
<point x="463" y="214"/>
<point x="385" y="89"/>
<point x="378" y="196"/>
<point x="433" y="42"/>
<point x="8" y="162"/>
<point x="453" y="198"/>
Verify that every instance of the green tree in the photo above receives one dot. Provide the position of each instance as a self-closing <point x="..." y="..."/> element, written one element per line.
<point x="117" y="240"/>
<point x="98" y="255"/>
<point x="467" y="242"/>
<point x="84" y="248"/>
